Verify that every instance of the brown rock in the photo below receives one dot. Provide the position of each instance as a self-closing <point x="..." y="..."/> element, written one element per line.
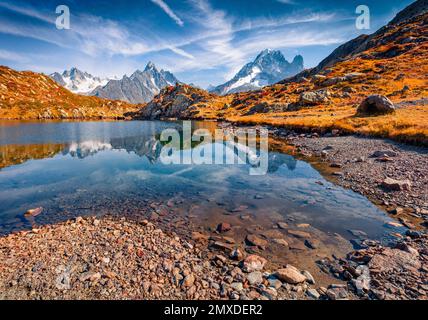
<point x="299" y="234"/>
<point x="390" y="260"/>
<point x="256" y="241"/>
<point x="396" y="185"/>
<point x="199" y="237"/>
<point x="224" y="227"/>
<point x="237" y="255"/>
<point x="188" y="281"/>
<point x="34" y="212"/>
<point x="290" y="275"/>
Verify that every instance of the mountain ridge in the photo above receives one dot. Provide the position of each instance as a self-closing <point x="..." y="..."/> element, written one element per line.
<point x="139" y="87"/>
<point x="78" y="81"/>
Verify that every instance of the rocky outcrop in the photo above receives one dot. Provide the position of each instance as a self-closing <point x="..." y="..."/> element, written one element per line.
<point x="181" y="101"/>
<point x="265" y="107"/>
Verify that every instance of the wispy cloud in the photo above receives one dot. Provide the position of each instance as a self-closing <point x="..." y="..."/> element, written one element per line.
<point x="212" y="37"/>
<point x="287" y="1"/>
<point x="12" y="56"/>
<point x="165" y="7"/>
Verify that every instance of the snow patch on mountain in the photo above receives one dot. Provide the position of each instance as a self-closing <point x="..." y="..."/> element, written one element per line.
<point x="269" y="67"/>
<point x="78" y="81"/>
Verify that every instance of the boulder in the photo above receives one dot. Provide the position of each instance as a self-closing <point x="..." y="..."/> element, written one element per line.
<point x="384" y="153"/>
<point x="376" y="105"/>
<point x="34" y="212"/>
<point x="314" y="97"/>
<point x="396" y="185"/>
<point x="290" y="275"/>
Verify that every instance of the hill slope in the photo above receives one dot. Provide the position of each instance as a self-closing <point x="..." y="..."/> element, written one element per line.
<point x="29" y="95"/>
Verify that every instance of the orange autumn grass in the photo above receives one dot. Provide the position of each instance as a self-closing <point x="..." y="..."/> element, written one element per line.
<point x="407" y="125"/>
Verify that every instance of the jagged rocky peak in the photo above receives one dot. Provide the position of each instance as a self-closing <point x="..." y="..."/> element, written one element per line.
<point x="140" y="87"/>
<point x="150" y="67"/>
<point x="269" y="67"/>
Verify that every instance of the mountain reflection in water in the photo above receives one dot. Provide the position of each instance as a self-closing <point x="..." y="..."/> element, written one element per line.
<point x="87" y="168"/>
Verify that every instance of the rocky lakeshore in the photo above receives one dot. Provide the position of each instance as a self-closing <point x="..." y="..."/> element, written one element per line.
<point x="392" y="175"/>
<point x="111" y="258"/>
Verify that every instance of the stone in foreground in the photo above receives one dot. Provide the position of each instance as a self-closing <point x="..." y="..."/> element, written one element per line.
<point x="290" y="275"/>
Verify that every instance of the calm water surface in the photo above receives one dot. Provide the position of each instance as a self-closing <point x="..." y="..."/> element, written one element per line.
<point x="87" y="168"/>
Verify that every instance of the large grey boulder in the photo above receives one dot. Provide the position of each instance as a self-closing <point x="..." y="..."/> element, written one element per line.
<point x="376" y="105"/>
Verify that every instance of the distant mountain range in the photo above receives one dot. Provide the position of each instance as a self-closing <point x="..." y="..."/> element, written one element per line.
<point x="78" y="81"/>
<point x="269" y="67"/>
<point x="140" y="87"/>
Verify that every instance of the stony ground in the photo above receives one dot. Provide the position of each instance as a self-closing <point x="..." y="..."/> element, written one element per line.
<point x="364" y="165"/>
<point x="394" y="176"/>
<point x="110" y="258"/>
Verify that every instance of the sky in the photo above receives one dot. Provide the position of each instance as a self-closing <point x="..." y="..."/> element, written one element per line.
<point x="204" y="42"/>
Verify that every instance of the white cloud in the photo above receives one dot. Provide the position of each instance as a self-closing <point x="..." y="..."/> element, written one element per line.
<point x="168" y="11"/>
<point x="287" y="1"/>
<point x="12" y="56"/>
<point x="216" y="39"/>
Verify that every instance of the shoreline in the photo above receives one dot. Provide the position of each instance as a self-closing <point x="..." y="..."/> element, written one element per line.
<point x="363" y="164"/>
<point x="228" y="280"/>
<point x="117" y="258"/>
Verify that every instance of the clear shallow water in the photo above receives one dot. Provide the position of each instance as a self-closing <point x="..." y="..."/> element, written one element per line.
<point x="79" y="168"/>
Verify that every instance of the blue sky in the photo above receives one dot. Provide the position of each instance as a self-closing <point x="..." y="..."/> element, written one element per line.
<point x="201" y="41"/>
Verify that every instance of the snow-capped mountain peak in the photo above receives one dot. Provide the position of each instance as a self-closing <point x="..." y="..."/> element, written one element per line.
<point x="78" y="81"/>
<point x="269" y="67"/>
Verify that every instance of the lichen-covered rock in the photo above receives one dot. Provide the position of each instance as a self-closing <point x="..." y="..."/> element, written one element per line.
<point x="314" y="97"/>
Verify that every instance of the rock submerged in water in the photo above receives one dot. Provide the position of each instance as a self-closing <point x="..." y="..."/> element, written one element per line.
<point x="375" y="105"/>
<point x="33" y="212"/>
<point x="256" y="241"/>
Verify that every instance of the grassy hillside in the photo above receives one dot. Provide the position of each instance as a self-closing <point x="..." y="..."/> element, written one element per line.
<point x="29" y="95"/>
